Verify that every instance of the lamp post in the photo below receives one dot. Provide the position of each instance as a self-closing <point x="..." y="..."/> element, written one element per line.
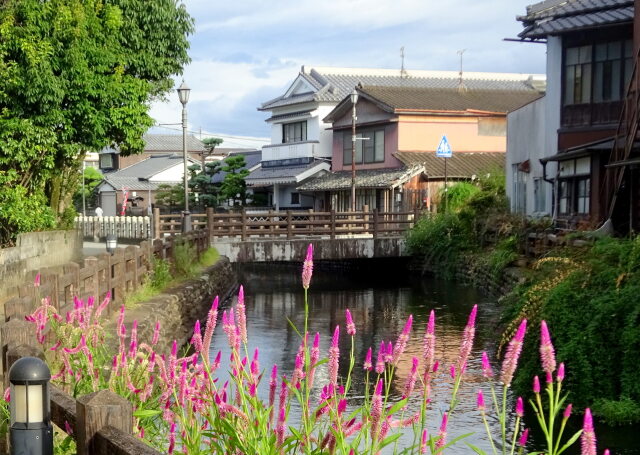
<point x="354" y="100"/>
<point x="31" y="431"/>
<point x="183" y="94"/>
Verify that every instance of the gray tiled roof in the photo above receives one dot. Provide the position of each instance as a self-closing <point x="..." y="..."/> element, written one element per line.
<point x="282" y="174"/>
<point x="553" y="17"/>
<point x="370" y="178"/>
<point x="171" y="142"/>
<point x="460" y="165"/>
<point x="251" y="159"/>
<point x="336" y="83"/>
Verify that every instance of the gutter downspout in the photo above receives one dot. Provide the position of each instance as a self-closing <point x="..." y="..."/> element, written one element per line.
<point x="554" y="189"/>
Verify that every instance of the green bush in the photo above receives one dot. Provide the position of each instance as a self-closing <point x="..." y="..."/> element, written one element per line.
<point x="161" y="275"/>
<point x="592" y="308"/>
<point x="184" y="264"/>
<point x="456" y="196"/>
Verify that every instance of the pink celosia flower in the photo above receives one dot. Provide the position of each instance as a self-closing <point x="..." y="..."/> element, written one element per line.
<point x="424" y="442"/>
<point x="313" y="359"/>
<point x="588" y="437"/>
<point x="411" y="379"/>
<point x="376" y="409"/>
<point x="467" y="339"/>
<point x="401" y="344"/>
<point x="273" y="383"/>
<point x="36" y="281"/>
<point x="523" y="438"/>
<point x="442" y="435"/>
<point x="606" y="452"/>
<point x="342" y="405"/>
<point x="282" y="418"/>
<point x="156" y="334"/>
<point x="241" y="315"/>
<point x="368" y="366"/>
<point x="196" y="339"/>
<point x="452" y="371"/>
<point x="567" y="411"/>
<point x="520" y="407"/>
<point x="536" y="384"/>
<point x="284" y="392"/>
<point x="480" y="401"/>
<point x="547" y="353"/>
<point x="429" y="345"/>
<point x="351" y="327"/>
<point x="7" y="395"/>
<point x="172" y="438"/>
<point x="487" y="372"/>
<point x="334" y="356"/>
<point x="212" y="320"/>
<point x="307" y="268"/>
<point x="513" y="354"/>
<point x="388" y="352"/>
<point x="560" y="376"/>
<point x="380" y="361"/>
<point x="298" y="373"/>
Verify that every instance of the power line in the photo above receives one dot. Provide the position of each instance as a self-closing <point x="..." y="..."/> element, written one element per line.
<point x="243" y="138"/>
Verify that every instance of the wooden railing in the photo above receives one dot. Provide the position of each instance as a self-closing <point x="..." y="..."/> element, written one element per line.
<point x="290" y="224"/>
<point x="124" y="227"/>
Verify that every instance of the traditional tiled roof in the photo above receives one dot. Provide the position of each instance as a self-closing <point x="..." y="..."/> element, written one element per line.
<point x="429" y="100"/>
<point x="252" y="159"/>
<point x="171" y="142"/>
<point x="554" y="17"/>
<point x="333" y="84"/>
<point x="285" y="174"/>
<point x="136" y="176"/>
<point x="460" y="165"/>
<point x="369" y="178"/>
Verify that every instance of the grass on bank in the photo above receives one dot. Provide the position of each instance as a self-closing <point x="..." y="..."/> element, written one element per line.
<point x="162" y="276"/>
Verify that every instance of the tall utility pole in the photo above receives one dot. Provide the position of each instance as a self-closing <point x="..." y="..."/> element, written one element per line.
<point x="354" y="100"/>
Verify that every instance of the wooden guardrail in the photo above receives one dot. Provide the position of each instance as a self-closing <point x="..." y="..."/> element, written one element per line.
<point x="290" y="224"/>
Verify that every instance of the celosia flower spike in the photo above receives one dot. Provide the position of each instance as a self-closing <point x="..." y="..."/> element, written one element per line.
<point x="307" y="267"/>
<point x="380" y="361"/>
<point x="523" y="438"/>
<point x="412" y="378"/>
<point x="313" y="359"/>
<point x="536" y="384"/>
<point x="36" y="281"/>
<point x="588" y="437"/>
<point x="241" y="315"/>
<point x="368" y="366"/>
<point x="560" y="376"/>
<point x="334" y="356"/>
<point x="429" y="346"/>
<point x="424" y="446"/>
<point x="547" y="352"/>
<point x="487" y="372"/>
<point x="513" y="354"/>
<point x="351" y="327"/>
<point x="376" y="409"/>
<point x="520" y="407"/>
<point x="212" y="320"/>
<point x="567" y="412"/>
<point x="401" y="344"/>
<point x="480" y="401"/>
<point x="442" y="435"/>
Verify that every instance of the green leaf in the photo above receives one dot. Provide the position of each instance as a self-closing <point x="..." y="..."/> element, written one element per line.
<point x="476" y="449"/>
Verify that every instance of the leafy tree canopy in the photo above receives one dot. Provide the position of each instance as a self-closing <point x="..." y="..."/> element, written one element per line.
<point x="234" y="183"/>
<point x="79" y="75"/>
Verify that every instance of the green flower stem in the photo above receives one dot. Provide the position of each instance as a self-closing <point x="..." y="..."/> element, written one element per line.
<point x="486" y="427"/>
<point x="515" y="434"/>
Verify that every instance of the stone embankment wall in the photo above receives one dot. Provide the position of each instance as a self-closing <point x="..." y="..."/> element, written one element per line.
<point x="34" y="251"/>
<point x="472" y="271"/>
<point x="177" y="308"/>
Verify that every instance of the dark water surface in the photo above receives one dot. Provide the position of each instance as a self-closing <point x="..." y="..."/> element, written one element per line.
<point x="381" y="295"/>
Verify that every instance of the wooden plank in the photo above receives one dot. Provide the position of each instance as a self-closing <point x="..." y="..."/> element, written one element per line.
<point x="96" y="411"/>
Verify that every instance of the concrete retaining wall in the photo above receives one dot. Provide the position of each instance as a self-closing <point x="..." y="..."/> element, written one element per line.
<point x="36" y="250"/>
<point x="324" y="249"/>
<point x="178" y="308"/>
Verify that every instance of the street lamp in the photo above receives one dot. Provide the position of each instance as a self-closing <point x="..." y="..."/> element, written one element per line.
<point x="354" y="100"/>
<point x="30" y="410"/>
<point x="183" y="94"/>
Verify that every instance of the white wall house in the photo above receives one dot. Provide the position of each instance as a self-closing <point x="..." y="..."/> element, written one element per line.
<point x="532" y="135"/>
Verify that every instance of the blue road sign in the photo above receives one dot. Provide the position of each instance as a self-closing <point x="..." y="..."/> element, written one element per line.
<point x="444" y="149"/>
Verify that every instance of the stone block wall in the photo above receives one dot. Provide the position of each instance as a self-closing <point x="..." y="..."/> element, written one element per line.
<point x="36" y="250"/>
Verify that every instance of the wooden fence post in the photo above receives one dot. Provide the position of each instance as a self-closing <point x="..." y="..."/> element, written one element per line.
<point x="244" y="219"/>
<point x="97" y="411"/>
<point x="91" y="262"/>
<point x="289" y="225"/>
<point x="375" y="223"/>
<point x="14" y="333"/>
<point x="333" y="224"/>
<point x="156" y="223"/>
<point x="209" y="226"/>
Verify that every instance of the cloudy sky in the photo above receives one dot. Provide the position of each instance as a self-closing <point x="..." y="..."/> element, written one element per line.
<point x="246" y="52"/>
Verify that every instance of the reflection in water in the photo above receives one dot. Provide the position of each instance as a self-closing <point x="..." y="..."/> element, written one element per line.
<point x="380" y="298"/>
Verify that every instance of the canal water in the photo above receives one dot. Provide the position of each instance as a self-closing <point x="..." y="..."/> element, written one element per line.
<point x="381" y="295"/>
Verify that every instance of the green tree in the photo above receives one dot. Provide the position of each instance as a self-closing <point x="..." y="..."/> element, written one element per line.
<point x="170" y="196"/>
<point x="201" y="183"/>
<point x="92" y="178"/>
<point x="210" y="144"/>
<point x="79" y="75"/>
<point x="234" y="183"/>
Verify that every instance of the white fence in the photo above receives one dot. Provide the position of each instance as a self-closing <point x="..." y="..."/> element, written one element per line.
<point x="124" y="227"/>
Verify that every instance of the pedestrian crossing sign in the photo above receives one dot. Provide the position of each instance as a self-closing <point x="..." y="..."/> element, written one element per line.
<point x="444" y="149"/>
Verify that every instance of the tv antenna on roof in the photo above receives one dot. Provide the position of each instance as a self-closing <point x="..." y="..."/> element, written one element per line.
<point x="403" y="72"/>
<point x="461" y="86"/>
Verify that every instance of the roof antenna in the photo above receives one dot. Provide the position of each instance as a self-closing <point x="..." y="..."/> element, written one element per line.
<point x="461" y="86"/>
<point x="403" y="72"/>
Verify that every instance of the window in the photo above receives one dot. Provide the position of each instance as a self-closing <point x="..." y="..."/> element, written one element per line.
<point x="295" y="198"/>
<point x="519" y="202"/>
<point x="574" y="187"/>
<point x="294" y="132"/>
<point x="597" y="73"/>
<point x="106" y="161"/>
<point x="369" y="147"/>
